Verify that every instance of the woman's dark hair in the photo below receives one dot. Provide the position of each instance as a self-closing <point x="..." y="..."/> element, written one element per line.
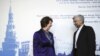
<point x="45" y="21"/>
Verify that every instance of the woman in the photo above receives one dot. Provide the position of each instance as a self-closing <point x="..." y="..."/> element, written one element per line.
<point x="43" y="42"/>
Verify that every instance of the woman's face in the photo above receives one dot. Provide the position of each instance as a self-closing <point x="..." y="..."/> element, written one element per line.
<point x="49" y="25"/>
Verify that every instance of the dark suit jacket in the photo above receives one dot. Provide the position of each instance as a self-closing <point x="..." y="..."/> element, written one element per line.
<point x="41" y="44"/>
<point x="85" y="42"/>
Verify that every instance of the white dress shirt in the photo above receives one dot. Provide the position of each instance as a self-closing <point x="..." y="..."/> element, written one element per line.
<point x="77" y="34"/>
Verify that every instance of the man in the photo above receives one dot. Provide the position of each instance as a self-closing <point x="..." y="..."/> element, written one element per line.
<point x="84" y="38"/>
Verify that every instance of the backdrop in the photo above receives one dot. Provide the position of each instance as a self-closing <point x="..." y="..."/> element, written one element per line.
<point x="19" y="19"/>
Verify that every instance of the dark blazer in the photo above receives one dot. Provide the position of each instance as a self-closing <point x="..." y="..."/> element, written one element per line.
<point x="86" y="42"/>
<point x="41" y="44"/>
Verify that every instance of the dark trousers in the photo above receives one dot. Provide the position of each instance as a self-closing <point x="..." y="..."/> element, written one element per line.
<point x="75" y="52"/>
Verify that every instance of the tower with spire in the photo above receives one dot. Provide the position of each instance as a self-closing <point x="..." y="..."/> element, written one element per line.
<point x="10" y="44"/>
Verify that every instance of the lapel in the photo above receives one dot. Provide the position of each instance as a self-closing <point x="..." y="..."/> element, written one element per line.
<point x="43" y="36"/>
<point x="74" y="39"/>
<point x="81" y="33"/>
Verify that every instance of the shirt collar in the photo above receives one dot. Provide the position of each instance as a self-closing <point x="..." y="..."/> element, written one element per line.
<point x="81" y="27"/>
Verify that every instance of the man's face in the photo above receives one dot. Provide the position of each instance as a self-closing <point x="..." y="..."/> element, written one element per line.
<point x="77" y="22"/>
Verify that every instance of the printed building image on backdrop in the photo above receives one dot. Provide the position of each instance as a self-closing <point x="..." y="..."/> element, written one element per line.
<point x="10" y="46"/>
